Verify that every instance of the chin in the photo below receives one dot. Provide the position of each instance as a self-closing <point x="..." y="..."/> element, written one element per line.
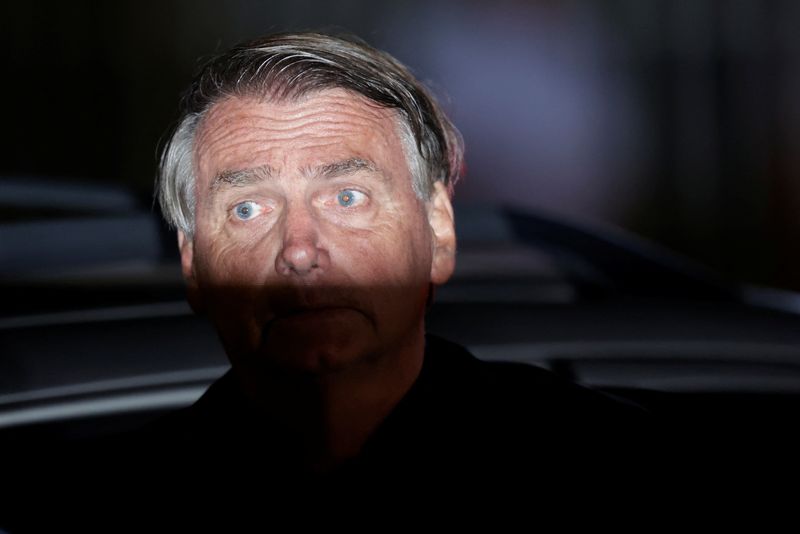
<point x="321" y="360"/>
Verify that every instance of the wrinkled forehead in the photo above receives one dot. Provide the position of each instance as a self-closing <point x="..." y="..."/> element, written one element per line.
<point x="240" y="130"/>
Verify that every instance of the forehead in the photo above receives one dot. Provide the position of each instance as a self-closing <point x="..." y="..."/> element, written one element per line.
<point x="317" y="128"/>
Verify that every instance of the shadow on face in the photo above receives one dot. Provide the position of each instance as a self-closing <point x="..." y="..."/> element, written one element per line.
<point x="315" y="330"/>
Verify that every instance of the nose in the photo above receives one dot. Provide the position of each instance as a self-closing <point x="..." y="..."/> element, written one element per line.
<point x="300" y="254"/>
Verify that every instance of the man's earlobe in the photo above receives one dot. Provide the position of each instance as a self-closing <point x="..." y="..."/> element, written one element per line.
<point x="442" y="222"/>
<point x="186" y="247"/>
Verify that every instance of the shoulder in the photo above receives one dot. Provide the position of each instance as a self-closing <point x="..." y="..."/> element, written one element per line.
<point x="200" y="424"/>
<point x="520" y="387"/>
<point x="504" y="417"/>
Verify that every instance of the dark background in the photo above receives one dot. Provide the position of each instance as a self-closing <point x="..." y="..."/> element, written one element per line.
<point x="678" y="120"/>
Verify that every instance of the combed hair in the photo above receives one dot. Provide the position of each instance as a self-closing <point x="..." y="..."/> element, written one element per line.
<point x="288" y="66"/>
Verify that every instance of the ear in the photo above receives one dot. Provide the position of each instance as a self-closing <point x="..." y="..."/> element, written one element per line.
<point x="442" y="223"/>
<point x="186" y="247"/>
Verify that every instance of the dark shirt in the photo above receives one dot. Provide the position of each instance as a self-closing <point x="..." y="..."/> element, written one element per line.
<point x="468" y="431"/>
<point x="462" y="416"/>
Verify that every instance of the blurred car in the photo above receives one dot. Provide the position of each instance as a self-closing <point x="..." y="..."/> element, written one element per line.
<point x="96" y="337"/>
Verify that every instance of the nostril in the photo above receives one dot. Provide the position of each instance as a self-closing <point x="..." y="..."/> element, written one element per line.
<point x="298" y="258"/>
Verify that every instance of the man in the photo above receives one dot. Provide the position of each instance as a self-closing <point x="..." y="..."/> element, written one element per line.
<point x="309" y="180"/>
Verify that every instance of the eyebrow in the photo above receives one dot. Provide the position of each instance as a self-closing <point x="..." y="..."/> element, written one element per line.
<point x="243" y="177"/>
<point x="344" y="167"/>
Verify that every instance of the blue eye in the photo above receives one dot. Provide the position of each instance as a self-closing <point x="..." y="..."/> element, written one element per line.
<point x="246" y="210"/>
<point x="348" y="197"/>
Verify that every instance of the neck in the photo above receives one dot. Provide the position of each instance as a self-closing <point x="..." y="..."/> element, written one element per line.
<point x="333" y="414"/>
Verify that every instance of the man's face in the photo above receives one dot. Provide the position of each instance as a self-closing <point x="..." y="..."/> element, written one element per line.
<point x="311" y="250"/>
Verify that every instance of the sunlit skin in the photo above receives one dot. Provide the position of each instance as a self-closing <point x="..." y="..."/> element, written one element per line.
<point x="313" y="257"/>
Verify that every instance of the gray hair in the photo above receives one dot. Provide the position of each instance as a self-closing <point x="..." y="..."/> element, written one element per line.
<point x="288" y="66"/>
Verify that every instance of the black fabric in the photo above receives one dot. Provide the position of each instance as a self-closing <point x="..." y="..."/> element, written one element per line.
<point x="468" y="433"/>
<point x="498" y="441"/>
<point x="462" y="417"/>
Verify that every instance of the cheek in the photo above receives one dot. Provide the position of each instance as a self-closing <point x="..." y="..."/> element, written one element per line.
<point x="385" y="256"/>
<point x="231" y="263"/>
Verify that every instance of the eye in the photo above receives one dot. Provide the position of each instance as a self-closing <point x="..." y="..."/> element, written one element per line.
<point x="350" y="197"/>
<point x="244" y="211"/>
